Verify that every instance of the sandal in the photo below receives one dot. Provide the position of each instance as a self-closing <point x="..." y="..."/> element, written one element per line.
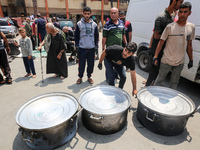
<point x="79" y="81"/>
<point x="9" y="81"/>
<point x="61" y="77"/>
<point x="144" y="82"/>
<point x="28" y="74"/>
<point x="2" y="82"/>
<point x="55" y="75"/>
<point x="90" y="81"/>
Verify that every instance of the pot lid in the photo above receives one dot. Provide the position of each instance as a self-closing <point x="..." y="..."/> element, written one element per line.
<point x="46" y="111"/>
<point x="166" y="101"/>
<point x="105" y="100"/>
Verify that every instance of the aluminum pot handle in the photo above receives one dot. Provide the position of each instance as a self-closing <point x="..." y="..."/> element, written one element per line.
<point x="92" y="117"/>
<point x="196" y="110"/>
<point x="77" y="112"/>
<point x="24" y="139"/>
<point x="147" y="116"/>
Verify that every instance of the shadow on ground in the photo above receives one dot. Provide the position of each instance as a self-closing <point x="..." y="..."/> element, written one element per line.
<point x="47" y="81"/>
<point x="76" y="88"/>
<point x="166" y="140"/>
<point x="22" y="79"/>
<point x="93" y="139"/>
<point x="19" y="144"/>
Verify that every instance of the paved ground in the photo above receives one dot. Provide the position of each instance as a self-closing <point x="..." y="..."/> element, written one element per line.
<point x="133" y="136"/>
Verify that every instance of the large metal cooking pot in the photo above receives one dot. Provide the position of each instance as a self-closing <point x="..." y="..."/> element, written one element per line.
<point x="163" y="110"/>
<point x="48" y="121"/>
<point x="104" y="109"/>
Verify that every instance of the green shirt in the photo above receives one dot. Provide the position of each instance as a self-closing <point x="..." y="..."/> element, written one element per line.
<point x="113" y="32"/>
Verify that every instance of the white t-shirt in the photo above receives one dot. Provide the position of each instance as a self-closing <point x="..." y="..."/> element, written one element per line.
<point x="176" y="37"/>
<point x="26" y="46"/>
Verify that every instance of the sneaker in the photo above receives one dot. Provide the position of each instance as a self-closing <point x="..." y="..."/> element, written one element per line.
<point x="34" y="76"/>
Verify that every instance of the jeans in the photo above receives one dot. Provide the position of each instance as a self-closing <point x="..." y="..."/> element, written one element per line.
<point x="86" y="54"/>
<point x="29" y="65"/>
<point x="110" y="73"/>
<point x="175" y="75"/>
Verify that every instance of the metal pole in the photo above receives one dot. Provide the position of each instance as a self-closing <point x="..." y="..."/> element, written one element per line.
<point x="41" y="65"/>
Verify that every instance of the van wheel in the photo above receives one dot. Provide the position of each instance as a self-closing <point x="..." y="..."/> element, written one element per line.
<point x="144" y="61"/>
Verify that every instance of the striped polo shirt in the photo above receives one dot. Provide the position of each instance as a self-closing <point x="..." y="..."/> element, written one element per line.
<point x="113" y="32"/>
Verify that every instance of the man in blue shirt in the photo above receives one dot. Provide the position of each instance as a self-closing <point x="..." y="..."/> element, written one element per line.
<point x="40" y="24"/>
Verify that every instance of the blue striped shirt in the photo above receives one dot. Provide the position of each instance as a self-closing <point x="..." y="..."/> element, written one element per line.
<point x="113" y="32"/>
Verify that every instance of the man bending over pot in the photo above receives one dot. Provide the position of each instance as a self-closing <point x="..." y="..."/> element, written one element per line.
<point x="116" y="57"/>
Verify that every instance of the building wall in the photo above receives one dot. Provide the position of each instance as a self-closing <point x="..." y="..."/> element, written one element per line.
<point x="58" y="6"/>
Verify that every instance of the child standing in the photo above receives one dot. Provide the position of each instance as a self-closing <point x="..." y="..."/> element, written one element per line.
<point x="26" y="49"/>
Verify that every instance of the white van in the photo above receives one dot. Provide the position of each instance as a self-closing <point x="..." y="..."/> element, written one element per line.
<point x="142" y="15"/>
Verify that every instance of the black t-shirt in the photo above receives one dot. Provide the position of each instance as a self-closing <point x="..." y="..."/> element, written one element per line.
<point x="160" y="23"/>
<point x="114" y="55"/>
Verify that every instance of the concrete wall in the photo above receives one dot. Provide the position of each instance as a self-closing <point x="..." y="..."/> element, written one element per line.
<point x="58" y="6"/>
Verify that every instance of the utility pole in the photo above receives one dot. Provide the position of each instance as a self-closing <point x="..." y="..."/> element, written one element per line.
<point x="47" y="9"/>
<point x="67" y="8"/>
<point x="102" y="10"/>
<point x="1" y="11"/>
<point x="118" y="4"/>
